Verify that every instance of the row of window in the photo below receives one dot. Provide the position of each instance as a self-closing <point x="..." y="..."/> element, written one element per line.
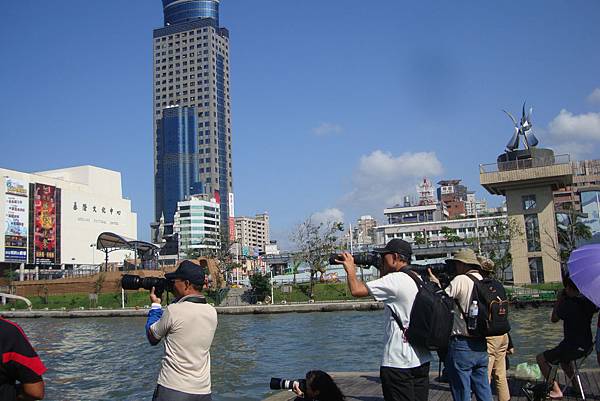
<point x="191" y="35"/>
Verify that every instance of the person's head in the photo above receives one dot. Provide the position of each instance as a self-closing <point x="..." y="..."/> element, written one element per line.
<point x="396" y="255"/>
<point x="570" y="288"/>
<point x="487" y="266"/>
<point x="320" y="386"/>
<point x="188" y="279"/>
<point x="464" y="260"/>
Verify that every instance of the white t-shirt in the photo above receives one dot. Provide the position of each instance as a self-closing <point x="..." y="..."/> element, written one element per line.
<point x="398" y="291"/>
<point x="188" y="329"/>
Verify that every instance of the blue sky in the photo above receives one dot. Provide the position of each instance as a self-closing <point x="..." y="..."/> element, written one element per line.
<point x="339" y="106"/>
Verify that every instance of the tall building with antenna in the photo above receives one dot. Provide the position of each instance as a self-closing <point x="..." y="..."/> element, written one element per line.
<point x="191" y="111"/>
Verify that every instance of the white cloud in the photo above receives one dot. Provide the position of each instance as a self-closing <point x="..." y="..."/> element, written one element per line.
<point x="327" y="129"/>
<point x="594" y="97"/>
<point x="332" y="215"/>
<point x="567" y="125"/>
<point x="382" y="179"/>
<point x="574" y="134"/>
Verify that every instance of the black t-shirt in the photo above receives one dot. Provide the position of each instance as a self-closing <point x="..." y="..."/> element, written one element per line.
<point x="19" y="361"/>
<point x="576" y="314"/>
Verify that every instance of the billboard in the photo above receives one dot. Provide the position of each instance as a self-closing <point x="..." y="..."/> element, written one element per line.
<point x="16" y="220"/>
<point x="46" y="224"/>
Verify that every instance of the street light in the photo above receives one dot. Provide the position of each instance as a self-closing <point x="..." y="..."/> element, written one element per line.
<point x="93" y="253"/>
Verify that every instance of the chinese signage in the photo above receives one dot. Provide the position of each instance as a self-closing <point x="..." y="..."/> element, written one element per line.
<point x="16" y="221"/>
<point x="46" y="224"/>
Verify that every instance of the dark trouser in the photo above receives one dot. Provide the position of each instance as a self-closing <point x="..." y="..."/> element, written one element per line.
<point x="166" y="394"/>
<point x="411" y="384"/>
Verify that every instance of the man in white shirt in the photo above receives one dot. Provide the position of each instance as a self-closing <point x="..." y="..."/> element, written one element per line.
<point x="404" y="368"/>
<point x="188" y="327"/>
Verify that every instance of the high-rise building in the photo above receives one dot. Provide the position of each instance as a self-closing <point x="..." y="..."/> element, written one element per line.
<point x="197" y="225"/>
<point x="252" y="234"/>
<point x="192" y="109"/>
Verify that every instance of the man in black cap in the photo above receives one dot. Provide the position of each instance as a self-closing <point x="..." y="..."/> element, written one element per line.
<point x="188" y="326"/>
<point x="405" y="368"/>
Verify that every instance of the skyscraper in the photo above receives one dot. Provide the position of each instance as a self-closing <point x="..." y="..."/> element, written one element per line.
<point x="192" y="109"/>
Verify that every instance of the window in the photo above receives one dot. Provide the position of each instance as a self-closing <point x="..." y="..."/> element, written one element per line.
<point x="532" y="231"/>
<point x="536" y="270"/>
<point x="529" y="202"/>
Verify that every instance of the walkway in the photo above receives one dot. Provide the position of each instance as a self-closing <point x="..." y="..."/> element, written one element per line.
<point x="365" y="386"/>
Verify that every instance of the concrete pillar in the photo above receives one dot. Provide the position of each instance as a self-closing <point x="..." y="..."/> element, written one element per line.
<point x="22" y="272"/>
<point x="37" y="273"/>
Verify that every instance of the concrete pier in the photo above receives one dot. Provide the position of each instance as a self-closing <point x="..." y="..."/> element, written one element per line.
<point x="226" y="310"/>
<point x="366" y="386"/>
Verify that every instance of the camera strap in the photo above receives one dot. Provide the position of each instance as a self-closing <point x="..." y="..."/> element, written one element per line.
<point x="195" y="300"/>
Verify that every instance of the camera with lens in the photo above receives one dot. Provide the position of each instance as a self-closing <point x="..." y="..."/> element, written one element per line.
<point x="444" y="272"/>
<point x="160" y="284"/>
<point x="361" y="259"/>
<point x="286" y="384"/>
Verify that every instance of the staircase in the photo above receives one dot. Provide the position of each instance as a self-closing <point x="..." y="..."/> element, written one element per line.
<point x="234" y="297"/>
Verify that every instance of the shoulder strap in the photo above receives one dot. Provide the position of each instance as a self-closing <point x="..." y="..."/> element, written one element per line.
<point x="397" y="319"/>
<point x="472" y="277"/>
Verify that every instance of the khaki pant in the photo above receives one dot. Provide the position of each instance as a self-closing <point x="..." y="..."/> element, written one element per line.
<point x="497" y="347"/>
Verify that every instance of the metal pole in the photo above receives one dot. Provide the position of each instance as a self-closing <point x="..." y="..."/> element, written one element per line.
<point x="122" y="298"/>
<point x="272" y="292"/>
<point x="351" y="243"/>
<point x="477" y="229"/>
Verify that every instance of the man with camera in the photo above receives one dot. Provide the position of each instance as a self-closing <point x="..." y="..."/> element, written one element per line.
<point x="187" y="326"/>
<point x="404" y="368"/>
<point x="467" y="358"/>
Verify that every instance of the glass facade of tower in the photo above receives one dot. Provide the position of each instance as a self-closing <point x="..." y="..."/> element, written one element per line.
<point x="177" y="11"/>
<point x="192" y="74"/>
<point x="177" y="154"/>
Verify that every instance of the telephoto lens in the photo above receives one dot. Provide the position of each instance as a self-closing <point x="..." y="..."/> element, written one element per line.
<point x="133" y="282"/>
<point x="360" y="259"/>
<point x="286" y="384"/>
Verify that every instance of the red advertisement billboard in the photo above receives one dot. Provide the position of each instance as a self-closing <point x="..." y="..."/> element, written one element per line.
<point x="45" y="236"/>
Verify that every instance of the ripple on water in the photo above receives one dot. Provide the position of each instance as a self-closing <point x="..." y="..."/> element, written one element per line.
<point x="109" y="358"/>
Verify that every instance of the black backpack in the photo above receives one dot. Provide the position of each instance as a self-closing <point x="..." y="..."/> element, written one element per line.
<point x="431" y="316"/>
<point x="492" y="319"/>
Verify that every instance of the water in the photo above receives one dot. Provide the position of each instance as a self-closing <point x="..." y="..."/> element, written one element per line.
<point x="109" y="358"/>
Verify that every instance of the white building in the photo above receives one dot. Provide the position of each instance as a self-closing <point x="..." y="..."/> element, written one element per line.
<point x="53" y="218"/>
<point x="252" y="234"/>
<point x="197" y="223"/>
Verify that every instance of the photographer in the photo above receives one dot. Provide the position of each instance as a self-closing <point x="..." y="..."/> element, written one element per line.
<point x="187" y="326"/>
<point x="467" y="358"/>
<point x="319" y="387"/>
<point x="404" y="369"/>
<point x="576" y="312"/>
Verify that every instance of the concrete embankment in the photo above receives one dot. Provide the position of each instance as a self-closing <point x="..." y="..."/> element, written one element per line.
<point x="227" y="310"/>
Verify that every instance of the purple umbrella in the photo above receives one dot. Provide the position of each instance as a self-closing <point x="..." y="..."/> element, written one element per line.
<point x="584" y="270"/>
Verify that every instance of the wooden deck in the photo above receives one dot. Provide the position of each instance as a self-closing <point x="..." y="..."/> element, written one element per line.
<point x="365" y="386"/>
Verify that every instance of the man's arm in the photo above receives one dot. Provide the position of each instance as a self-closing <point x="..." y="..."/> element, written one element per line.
<point x="31" y="391"/>
<point x="555" y="311"/>
<point x="154" y="316"/>
<point x="357" y="288"/>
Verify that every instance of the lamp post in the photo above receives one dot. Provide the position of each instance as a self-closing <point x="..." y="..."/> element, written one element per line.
<point x="93" y="246"/>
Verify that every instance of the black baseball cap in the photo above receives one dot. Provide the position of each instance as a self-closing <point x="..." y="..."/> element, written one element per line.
<point x="398" y="246"/>
<point x="188" y="271"/>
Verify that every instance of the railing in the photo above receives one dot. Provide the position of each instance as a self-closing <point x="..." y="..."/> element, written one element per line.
<point x="523" y="164"/>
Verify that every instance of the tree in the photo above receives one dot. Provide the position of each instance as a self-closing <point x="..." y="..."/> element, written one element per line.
<point x="420" y="239"/>
<point x="295" y="265"/>
<point x="496" y="244"/>
<point x="449" y="234"/>
<point x="571" y="231"/>
<point x="261" y="285"/>
<point x="315" y="243"/>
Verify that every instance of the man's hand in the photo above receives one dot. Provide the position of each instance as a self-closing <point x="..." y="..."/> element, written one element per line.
<point x="296" y="389"/>
<point x="153" y="298"/>
<point x="433" y="278"/>
<point x="347" y="260"/>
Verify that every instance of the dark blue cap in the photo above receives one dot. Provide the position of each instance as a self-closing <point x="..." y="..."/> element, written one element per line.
<point x="188" y="271"/>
